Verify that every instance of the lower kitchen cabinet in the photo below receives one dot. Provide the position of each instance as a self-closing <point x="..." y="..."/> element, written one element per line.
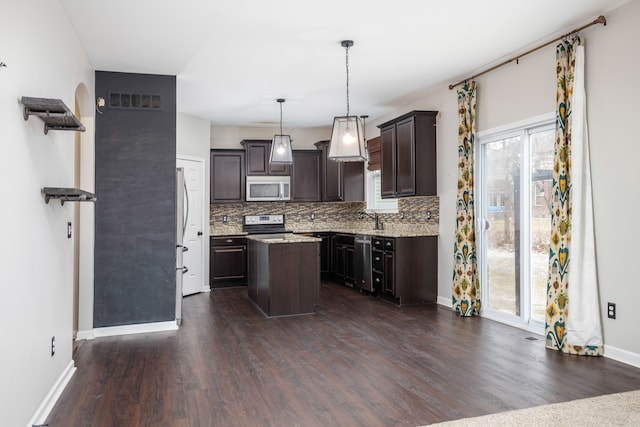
<point x="228" y="261"/>
<point x="405" y="269"/>
<point x="325" y="251"/>
<point x="344" y="258"/>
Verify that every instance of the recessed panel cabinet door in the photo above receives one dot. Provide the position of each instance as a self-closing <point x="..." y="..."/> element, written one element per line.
<point x="388" y="161"/>
<point x="227" y="176"/>
<point x="405" y="158"/>
<point x="305" y="176"/>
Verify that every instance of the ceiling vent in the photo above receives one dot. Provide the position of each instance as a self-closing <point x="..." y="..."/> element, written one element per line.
<point x="135" y="101"/>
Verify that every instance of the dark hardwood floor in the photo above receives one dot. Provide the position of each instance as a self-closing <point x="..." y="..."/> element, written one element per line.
<point x="359" y="361"/>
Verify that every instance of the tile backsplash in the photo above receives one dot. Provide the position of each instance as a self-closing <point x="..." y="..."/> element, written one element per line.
<point x="414" y="214"/>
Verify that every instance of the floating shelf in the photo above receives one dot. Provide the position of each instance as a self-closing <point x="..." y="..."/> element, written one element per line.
<point x="53" y="112"/>
<point x="67" y="195"/>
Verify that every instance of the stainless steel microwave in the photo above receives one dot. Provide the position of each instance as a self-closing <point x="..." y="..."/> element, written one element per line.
<point x="268" y="188"/>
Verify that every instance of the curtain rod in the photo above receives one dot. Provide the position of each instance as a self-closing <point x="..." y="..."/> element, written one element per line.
<point x="599" y="20"/>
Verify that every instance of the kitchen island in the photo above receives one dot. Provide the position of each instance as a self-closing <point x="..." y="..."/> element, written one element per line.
<point x="283" y="273"/>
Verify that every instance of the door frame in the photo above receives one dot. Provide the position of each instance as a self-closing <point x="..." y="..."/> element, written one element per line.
<point x="203" y="216"/>
<point x="520" y="128"/>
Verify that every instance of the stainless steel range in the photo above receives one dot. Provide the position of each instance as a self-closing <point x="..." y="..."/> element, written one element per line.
<point x="263" y="224"/>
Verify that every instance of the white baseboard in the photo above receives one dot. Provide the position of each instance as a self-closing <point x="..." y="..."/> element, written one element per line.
<point x="139" y="328"/>
<point x="621" y="355"/>
<point x="52" y="397"/>
<point x="85" y="335"/>
<point x="610" y="352"/>
<point x="445" y="301"/>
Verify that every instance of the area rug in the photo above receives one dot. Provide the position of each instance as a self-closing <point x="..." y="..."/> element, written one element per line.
<point x="620" y="409"/>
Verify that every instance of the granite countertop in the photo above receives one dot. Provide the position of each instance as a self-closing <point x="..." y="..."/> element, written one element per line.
<point x="404" y="232"/>
<point x="378" y="233"/>
<point x="282" y="238"/>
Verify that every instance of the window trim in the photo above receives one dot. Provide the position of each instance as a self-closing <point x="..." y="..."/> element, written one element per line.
<point x="370" y="196"/>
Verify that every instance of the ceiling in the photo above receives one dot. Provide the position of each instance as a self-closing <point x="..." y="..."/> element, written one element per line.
<point x="232" y="59"/>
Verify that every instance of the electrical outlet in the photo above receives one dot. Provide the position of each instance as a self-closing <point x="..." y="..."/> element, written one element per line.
<point x="611" y="310"/>
<point x="313" y="216"/>
<point x="225" y="219"/>
<point x="53" y="346"/>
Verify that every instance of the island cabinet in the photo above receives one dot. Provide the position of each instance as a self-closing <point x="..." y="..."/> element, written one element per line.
<point x="305" y="176"/>
<point x="405" y="269"/>
<point x="284" y="274"/>
<point x="227" y="176"/>
<point x="258" y="153"/>
<point x="408" y="155"/>
<point x="228" y="261"/>
<point x="340" y="181"/>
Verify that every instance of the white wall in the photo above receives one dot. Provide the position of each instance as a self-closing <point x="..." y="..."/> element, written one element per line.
<point x="303" y="138"/>
<point x="44" y="59"/>
<point x="613" y="66"/>
<point x="517" y="92"/>
<point x="193" y="138"/>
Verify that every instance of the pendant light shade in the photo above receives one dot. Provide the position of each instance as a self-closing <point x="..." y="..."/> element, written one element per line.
<point x="281" y="144"/>
<point x="347" y="139"/>
<point x="347" y="135"/>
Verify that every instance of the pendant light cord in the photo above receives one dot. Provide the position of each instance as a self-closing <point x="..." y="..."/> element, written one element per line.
<point x="280" y="102"/>
<point x="346" y="48"/>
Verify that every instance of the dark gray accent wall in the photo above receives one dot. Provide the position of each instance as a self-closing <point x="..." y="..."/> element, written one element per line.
<point x="135" y="239"/>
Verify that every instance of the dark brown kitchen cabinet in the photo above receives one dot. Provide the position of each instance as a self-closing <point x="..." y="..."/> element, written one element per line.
<point x="408" y="155"/>
<point x="344" y="258"/>
<point x="228" y="261"/>
<point x="325" y="251"/>
<point x="340" y="181"/>
<point x="258" y="152"/>
<point x="305" y="176"/>
<point x="227" y="176"/>
<point x="405" y="269"/>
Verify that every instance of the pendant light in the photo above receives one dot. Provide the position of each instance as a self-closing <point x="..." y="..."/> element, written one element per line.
<point x="281" y="144"/>
<point x="347" y="135"/>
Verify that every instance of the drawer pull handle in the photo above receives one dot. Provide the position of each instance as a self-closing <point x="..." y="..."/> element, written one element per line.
<point x="378" y="280"/>
<point x="388" y="243"/>
<point x="229" y="240"/>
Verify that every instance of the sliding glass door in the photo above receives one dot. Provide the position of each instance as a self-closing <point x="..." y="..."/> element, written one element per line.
<point x="514" y="222"/>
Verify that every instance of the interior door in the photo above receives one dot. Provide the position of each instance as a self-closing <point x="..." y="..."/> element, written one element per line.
<point x="193" y="258"/>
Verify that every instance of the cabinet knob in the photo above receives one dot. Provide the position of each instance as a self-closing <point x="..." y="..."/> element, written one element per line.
<point x="377" y="258"/>
<point x="388" y="243"/>
<point x="378" y="280"/>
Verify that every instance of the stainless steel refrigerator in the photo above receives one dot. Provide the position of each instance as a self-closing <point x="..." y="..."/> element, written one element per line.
<point x="182" y="212"/>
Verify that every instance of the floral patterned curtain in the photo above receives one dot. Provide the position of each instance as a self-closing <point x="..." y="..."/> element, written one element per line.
<point x="466" y="286"/>
<point x="573" y="314"/>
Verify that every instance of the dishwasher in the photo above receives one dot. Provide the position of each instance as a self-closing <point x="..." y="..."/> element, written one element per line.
<point x="362" y="263"/>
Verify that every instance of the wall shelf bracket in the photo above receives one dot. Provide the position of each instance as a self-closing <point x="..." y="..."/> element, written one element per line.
<point x="53" y="112"/>
<point x="67" y="195"/>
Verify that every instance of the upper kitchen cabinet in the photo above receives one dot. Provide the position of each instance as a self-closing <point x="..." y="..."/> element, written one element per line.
<point x="340" y="181"/>
<point x="257" y="154"/>
<point x="227" y="176"/>
<point x="408" y="155"/>
<point x="305" y="176"/>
